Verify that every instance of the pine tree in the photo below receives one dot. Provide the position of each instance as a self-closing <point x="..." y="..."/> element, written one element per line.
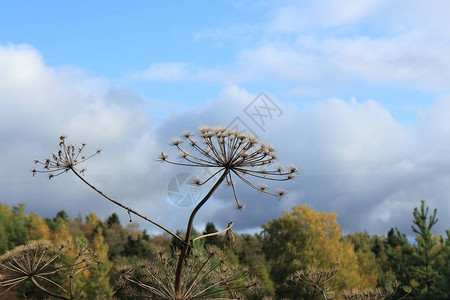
<point x="425" y="269"/>
<point x="213" y="240"/>
<point x="418" y="265"/>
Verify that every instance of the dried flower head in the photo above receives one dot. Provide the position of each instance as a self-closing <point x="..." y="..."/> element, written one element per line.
<point x="38" y="261"/>
<point x="209" y="274"/>
<point x="388" y="292"/>
<point x="233" y="153"/>
<point x="67" y="158"/>
<point x="315" y="280"/>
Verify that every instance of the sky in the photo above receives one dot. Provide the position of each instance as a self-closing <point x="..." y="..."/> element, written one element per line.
<point x="354" y="93"/>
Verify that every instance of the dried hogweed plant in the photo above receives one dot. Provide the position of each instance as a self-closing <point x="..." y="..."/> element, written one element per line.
<point x="208" y="275"/>
<point x="232" y="154"/>
<point x="68" y="158"/>
<point x="317" y="281"/>
<point x="321" y="282"/>
<point x="389" y="292"/>
<point x="39" y="261"/>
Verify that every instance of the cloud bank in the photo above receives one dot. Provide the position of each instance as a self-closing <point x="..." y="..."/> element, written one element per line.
<point x="356" y="159"/>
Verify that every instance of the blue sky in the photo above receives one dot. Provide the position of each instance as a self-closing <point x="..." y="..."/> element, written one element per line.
<point x="362" y="84"/>
<point x="117" y="39"/>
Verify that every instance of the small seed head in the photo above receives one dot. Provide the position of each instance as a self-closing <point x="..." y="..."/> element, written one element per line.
<point x="175" y="141"/>
<point x="281" y="192"/>
<point x="163" y="156"/>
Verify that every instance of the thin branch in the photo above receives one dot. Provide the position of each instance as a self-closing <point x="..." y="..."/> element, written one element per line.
<point x="125" y="207"/>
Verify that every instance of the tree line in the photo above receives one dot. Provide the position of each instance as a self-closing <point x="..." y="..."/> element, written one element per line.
<point x="300" y="255"/>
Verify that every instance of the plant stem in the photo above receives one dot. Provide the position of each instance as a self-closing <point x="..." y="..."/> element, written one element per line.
<point x="213" y="234"/>
<point x="125" y="207"/>
<point x="47" y="291"/>
<point x="186" y="245"/>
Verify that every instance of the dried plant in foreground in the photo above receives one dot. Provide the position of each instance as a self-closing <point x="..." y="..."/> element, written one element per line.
<point x="208" y="275"/>
<point x="37" y="261"/>
<point x="68" y="158"/>
<point x="317" y="281"/>
<point x="233" y="154"/>
<point x="376" y="294"/>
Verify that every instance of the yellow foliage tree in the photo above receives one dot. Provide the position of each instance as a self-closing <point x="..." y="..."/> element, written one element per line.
<point x="37" y="228"/>
<point x="97" y="280"/>
<point x="303" y="239"/>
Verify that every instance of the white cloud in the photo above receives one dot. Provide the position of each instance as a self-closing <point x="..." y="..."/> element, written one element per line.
<point x="37" y="104"/>
<point x="356" y="159"/>
<point x="331" y="46"/>
<point x="297" y="15"/>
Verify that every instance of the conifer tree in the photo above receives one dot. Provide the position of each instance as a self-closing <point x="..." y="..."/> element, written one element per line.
<point x="425" y="269"/>
<point x="213" y="240"/>
<point x="418" y="265"/>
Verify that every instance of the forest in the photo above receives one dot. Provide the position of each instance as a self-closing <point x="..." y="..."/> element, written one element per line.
<point x="301" y="255"/>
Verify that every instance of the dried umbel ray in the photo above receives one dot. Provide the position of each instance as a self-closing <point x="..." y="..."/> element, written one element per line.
<point x="317" y="281"/>
<point x="377" y="294"/>
<point x="233" y="154"/>
<point x="208" y="275"/>
<point x="68" y="158"/>
<point x="37" y="261"/>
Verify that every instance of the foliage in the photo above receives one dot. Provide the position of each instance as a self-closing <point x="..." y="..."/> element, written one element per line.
<point x="215" y="239"/>
<point x="420" y="265"/>
<point x="12" y="230"/>
<point x="109" y="242"/>
<point x="306" y="238"/>
<point x="366" y="248"/>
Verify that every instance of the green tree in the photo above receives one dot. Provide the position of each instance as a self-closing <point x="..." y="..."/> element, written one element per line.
<point x="97" y="280"/>
<point x="12" y="228"/>
<point x="442" y="290"/>
<point x="61" y="214"/>
<point x="399" y="253"/>
<point x="425" y="269"/>
<point x="363" y="245"/>
<point x="112" y="219"/>
<point x="418" y="265"/>
<point x="36" y="228"/>
<point x="215" y="239"/>
<point x="248" y="249"/>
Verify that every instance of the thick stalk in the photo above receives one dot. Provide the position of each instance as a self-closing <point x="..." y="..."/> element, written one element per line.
<point x="186" y="245"/>
<point x="49" y="292"/>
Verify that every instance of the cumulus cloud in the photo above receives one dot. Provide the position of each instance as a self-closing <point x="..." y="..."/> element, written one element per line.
<point x="337" y="44"/>
<point x="356" y="159"/>
<point x="37" y="104"/>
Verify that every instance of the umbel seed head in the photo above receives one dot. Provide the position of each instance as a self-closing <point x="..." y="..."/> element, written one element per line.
<point x="68" y="157"/>
<point x="235" y="152"/>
